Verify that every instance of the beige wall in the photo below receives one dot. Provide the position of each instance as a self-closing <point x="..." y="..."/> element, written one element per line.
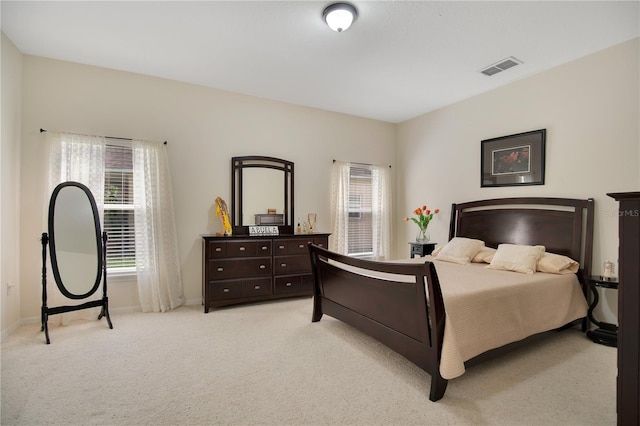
<point x="204" y="129"/>
<point x="10" y="186"/>
<point x="590" y="110"/>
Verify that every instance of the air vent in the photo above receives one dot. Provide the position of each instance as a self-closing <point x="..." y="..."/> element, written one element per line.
<point x="500" y="66"/>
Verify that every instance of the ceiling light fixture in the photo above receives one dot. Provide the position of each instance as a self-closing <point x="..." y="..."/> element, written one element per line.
<point x="340" y="16"/>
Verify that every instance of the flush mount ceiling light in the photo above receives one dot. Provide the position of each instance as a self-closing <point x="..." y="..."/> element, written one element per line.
<point x="340" y="16"/>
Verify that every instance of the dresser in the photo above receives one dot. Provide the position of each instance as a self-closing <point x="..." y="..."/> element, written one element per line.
<point x="241" y="268"/>
<point x="628" y="385"/>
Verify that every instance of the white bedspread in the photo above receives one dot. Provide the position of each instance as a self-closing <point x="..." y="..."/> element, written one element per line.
<point x="487" y="308"/>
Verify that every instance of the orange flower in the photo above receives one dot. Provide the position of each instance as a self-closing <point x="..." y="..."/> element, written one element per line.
<point x="424" y="216"/>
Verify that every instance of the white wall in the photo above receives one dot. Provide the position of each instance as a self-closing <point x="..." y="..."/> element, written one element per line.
<point x="10" y="186"/>
<point x="590" y="110"/>
<point x="204" y="129"/>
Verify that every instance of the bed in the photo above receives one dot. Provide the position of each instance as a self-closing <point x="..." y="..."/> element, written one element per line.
<point x="445" y="316"/>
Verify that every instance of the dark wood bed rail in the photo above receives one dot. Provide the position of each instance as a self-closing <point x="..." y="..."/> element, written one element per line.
<point x="396" y="313"/>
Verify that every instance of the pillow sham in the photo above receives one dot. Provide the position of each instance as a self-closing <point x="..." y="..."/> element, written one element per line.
<point x="517" y="258"/>
<point x="484" y="255"/>
<point x="557" y="264"/>
<point x="459" y="250"/>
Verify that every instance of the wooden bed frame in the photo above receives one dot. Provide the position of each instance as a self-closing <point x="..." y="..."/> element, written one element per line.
<point x="409" y="317"/>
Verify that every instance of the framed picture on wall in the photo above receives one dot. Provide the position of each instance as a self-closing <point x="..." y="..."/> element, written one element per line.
<point x="513" y="160"/>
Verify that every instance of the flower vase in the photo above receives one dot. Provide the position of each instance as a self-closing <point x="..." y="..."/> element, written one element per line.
<point x="423" y="236"/>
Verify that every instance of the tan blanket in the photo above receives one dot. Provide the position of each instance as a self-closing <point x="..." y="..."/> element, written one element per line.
<point x="487" y="308"/>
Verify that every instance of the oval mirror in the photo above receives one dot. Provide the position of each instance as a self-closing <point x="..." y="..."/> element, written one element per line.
<point x="75" y="240"/>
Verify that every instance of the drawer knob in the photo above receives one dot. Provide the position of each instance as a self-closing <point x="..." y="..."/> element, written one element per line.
<point x="281" y="247"/>
<point x="265" y="248"/>
<point x="220" y="269"/>
<point x="242" y="248"/>
<point x="226" y="290"/>
<point x="218" y="248"/>
<point x="288" y="284"/>
<point x="284" y="265"/>
<point x="262" y="266"/>
<point x="300" y="245"/>
<point x="256" y="287"/>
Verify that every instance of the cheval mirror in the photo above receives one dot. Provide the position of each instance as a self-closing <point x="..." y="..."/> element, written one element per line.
<point x="77" y="250"/>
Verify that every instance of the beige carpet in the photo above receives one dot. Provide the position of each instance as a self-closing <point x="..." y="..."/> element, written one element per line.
<point x="268" y="364"/>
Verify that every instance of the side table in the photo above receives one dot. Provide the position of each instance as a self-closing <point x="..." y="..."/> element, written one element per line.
<point x="606" y="333"/>
<point x="422" y="249"/>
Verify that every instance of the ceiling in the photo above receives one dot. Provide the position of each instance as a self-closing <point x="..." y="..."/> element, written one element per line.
<point x="400" y="59"/>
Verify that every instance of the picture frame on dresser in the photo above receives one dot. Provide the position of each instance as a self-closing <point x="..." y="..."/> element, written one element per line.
<point x="513" y="160"/>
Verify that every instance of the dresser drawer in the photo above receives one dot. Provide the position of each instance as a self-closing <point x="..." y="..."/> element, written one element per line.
<point x="297" y="245"/>
<point x="256" y="287"/>
<point x="220" y="269"/>
<point x="216" y="249"/>
<point x="226" y="290"/>
<point x="290" y="284"/>
<point x="285" y="265"/>
<point x="248" y="248"/>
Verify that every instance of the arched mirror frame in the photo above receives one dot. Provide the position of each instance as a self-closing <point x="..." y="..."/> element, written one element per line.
<point x="52" y="240"/>
<point x="101" y="269"/>
<point x="238" y="166"/>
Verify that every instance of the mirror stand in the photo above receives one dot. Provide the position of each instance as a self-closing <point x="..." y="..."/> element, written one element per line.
<point x="103" y="302"/>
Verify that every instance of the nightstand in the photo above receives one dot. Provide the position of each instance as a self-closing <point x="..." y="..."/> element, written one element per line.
<point x="605" y="334"/>
<point x="422" y="249"/>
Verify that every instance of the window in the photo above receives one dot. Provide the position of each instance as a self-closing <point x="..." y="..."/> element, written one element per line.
<point x="118" y="207"/>
<point x="360" y="223"/>
<point x="360" y="210"/>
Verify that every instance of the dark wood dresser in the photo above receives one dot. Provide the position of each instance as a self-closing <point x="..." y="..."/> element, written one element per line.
<point x="241" y="268"/>
<point x="628" y="397"/>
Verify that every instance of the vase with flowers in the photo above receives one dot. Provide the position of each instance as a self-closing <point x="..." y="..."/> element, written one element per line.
<point x="422" y="219"/>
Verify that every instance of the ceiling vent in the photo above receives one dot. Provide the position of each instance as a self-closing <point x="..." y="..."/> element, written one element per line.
<point x="500" y="66"/>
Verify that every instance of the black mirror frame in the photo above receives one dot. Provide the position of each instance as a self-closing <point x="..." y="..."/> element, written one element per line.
<point x="52" y="240"/>
<point x="238" y="164"/>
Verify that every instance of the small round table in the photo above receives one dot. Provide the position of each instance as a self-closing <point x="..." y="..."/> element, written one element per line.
<point x="606" y="333"/>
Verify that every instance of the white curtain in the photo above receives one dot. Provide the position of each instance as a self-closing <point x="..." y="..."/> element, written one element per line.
<point x="339" y="240"/>
<point x="381" y="209"/>
<point x="157" y="261"/>
<point x="78" y="158"/>
<point x="381" y="206"/>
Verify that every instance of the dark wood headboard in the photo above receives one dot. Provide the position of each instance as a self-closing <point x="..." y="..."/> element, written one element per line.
<point x="562" y="225"/>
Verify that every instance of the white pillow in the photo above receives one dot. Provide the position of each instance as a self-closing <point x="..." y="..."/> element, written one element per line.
<point x="557" y="264"/>
<point x="518" y="258"/>
<point x="484" y="255"/>
<point x="459" y="250"/>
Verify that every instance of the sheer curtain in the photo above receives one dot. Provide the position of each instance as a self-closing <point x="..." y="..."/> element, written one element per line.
<point x="339" y="241"/>
<point x="78" y="158"/>
<point x="157" y="262"/>
<point x="380" y="209"/>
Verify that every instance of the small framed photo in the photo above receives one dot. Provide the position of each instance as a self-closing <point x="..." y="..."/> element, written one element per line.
<point x="513" y="160"/>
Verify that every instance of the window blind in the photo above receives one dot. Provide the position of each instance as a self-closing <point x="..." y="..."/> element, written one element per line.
<point x="360" y="234"/>
<point x="118" y="207"/>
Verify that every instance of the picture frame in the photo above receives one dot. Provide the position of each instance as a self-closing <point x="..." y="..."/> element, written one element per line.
<point x="513" y="160"/>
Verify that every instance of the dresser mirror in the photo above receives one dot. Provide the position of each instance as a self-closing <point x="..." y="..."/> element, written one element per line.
<point x="261" y="193"/>
<point x="76" y="250"/>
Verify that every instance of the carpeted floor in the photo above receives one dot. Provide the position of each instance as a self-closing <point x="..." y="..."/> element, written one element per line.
<point x="266" y="363"/>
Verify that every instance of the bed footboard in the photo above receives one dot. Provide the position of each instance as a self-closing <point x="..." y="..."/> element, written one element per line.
<point x="400" y="305"/>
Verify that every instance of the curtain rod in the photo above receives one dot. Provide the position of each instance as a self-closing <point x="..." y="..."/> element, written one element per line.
<point x="109" y="137"/>
<point x="362" y="164"/>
